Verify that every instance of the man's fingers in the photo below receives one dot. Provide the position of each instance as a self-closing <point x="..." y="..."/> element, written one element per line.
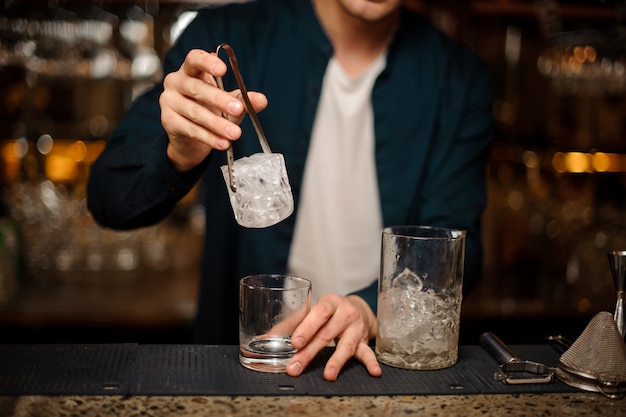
<point x="349" y="346"/>
<point x="334" y="318"/>
<point x="366" y="355"/>
<point x="344" y="351"/>
<point x="305" y="355"/>
<point x="316" y="332"/>
<point x="319" y="317"/>
<point x="198" y="61"/>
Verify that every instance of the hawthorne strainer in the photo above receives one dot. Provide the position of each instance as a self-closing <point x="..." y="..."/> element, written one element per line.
<point x="596" y="361"/>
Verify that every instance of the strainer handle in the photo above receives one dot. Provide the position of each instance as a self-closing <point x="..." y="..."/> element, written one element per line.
<point x="501" y="352"/>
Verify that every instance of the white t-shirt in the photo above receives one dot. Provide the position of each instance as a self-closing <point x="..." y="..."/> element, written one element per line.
<point x="336" y="241"/>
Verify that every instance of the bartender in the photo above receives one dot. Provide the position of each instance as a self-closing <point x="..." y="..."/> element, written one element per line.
<point x="381" y="119"/>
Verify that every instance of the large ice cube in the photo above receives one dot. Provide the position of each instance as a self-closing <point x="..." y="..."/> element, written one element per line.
<point x="407" y="280"/>
<point x="262" y="195"/>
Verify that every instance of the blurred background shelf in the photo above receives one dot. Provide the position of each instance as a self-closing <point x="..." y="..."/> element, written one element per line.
<point x="556" y="177"/>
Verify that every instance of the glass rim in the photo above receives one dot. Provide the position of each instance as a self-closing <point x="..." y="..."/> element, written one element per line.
<point x="428" y="232"/>
<point x="301" y="283"/>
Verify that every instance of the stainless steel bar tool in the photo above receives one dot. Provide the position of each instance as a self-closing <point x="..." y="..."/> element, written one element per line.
<point x="247" y="104"/>
<point x="559" y="343"/>
<point x="513" y="370"/>
<point x="617" y="262"/>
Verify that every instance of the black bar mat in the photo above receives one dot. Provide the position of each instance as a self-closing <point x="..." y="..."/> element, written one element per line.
<point x="66" y="369"/>
<point x="130" y="369"/>
<point x="479" y="366"/>
<point x="215" y="370"/>
<point x="206" y="370"/>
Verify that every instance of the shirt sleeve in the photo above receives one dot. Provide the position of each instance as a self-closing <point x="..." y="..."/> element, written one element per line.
<point x="132" y="183"/>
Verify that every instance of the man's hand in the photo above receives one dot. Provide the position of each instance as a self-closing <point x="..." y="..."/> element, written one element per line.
<point x="347" y="320"/>
<point x="192" y="106"/>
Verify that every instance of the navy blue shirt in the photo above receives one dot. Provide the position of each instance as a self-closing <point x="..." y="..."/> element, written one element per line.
<point x="432" y="124"/>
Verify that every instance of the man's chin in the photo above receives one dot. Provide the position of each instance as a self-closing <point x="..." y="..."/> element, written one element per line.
<point x="372" y="11"/>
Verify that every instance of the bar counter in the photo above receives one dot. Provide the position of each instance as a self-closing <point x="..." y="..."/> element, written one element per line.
<point x="535" y="405"/>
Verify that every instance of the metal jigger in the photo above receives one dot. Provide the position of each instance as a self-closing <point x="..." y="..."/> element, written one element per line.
<point x="617" y="261"/>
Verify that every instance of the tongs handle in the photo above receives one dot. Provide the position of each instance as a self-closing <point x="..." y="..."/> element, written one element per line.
<point x="247" y="104"/>
<point x="244" y="94"/>
<point x="501" y="352"/>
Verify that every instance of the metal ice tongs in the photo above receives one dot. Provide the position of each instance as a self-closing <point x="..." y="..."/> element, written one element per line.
<point x="513" y="370"/>
<point x="247" y="104"/>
